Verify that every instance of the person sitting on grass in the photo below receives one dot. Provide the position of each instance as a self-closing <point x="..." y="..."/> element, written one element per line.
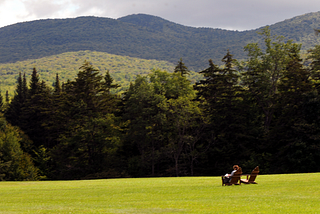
<point x="227" y="177"/>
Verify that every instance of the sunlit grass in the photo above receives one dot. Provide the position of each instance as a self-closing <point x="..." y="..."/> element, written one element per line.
<point x="293" y="193"/>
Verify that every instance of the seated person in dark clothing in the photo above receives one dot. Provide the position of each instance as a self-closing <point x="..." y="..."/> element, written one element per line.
<point x="227" y="177"/>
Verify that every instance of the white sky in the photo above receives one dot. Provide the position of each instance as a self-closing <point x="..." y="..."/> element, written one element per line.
<point x="225" y="14"/>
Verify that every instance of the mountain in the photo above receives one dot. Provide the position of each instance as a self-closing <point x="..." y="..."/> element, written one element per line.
<point x="142" y="36"/>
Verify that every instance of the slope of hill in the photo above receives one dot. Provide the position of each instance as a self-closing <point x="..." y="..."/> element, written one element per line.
<point x="122" y="69"/>
<point x="141" y="36"/>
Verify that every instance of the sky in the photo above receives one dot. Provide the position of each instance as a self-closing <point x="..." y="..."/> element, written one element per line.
<point x="225" y="14"/>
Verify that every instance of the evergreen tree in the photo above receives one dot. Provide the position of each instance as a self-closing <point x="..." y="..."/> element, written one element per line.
<point x="109" y="82"/>
<point x="34" y="83"/>
<point x="1" y="102"/>
<point x="14" y="111"/>
<point x="7" y="97"/>
<point x="24" y="87"/>
<point x="89" y="135"/>
<point x="19" y="90"/>
<point x="181" y="68"/>
<point x="57" y="87"/>
<point x="35" y="112"/>
<point x="222" y="101"/>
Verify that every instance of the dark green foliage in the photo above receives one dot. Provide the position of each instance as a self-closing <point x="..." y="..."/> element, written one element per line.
<point x="15" y="164"/>
<point x="222" y="101"/>
<point x="143" y="142"/>
<point x="7" y="97"/>
<point x="263" y="71"/>
<point x="89" y="135"/>
<point x="1" y="102"/>
<point x="280" y="86"/>
<point x="24" y="87"/>
<point x="34" y="83"/>
<point x="109" y="82"/>
<point x="262" y="111"/>
<point x="74" y="131"/>
<point x="57" y="86"/>
<point x="181" y="68"/>
<point x="13" y="112"/>
<point x="162" y="123"/>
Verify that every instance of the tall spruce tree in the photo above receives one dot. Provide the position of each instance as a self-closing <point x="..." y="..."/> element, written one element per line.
<point x="181" y="68"/>
<point x="1" y="102"/>
<point x="35" y="111"/>
<point x="57" y="86"/>
<point x="109" y="82"/>
<point x="90" y="135"/>
<point x="7" y="97"/>
<point x="14" y="110"/>
<point x="24" y="87"/>
<point x="34" y="83"/>
<point x="221" y="98"/>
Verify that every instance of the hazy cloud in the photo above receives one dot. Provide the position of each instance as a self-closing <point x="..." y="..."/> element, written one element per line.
<point x="45" y="8"/>
<point x="231" y="14"/>
<point x="226" y="14"/>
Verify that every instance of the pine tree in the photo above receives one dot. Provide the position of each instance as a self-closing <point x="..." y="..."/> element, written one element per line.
<point x="109" y="82"/>
<point x="220" y="95"/>
<point x="14" y="110"/>
<point x="206" y="89"/>
<point x="35" y="112"/>
<point x="181" y="68"/>
<point x="7" y="97"/>
<point x="1" y="102"/>
<point x="57" y="87"/>
<point x="88" y="129"/>
<point x="34" y="83"/>
<point x="19" y="90"/>
<point x="24" y="87"/>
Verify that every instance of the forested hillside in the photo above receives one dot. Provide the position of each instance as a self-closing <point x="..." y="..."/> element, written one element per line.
<point x="141" y="36"/>
<point x="262" y="111"/>
<point x="123" y="69"/>
<point x="254" y="102"/>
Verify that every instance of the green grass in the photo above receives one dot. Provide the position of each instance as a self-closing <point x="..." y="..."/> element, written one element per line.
<point x="294" y="193"/>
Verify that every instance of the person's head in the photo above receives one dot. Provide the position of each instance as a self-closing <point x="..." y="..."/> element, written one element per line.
<point x="235" y="167"/>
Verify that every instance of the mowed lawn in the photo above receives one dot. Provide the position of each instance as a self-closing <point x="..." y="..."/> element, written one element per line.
<point x="292" y="193"/>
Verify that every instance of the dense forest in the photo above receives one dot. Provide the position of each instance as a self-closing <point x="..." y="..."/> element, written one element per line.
<point x="259" y="111"/>
<point x="142" y="36"/>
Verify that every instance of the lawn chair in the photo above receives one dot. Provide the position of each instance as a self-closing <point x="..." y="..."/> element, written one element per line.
<point x="235" y="179"/>
<point x="252" y="178"/>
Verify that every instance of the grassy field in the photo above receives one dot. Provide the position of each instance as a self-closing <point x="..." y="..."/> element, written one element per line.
<point x="294" y="193"/>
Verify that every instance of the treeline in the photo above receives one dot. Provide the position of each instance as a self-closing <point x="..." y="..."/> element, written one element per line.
<point x="262" y="111"/>
<point x="122" y="69"/>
